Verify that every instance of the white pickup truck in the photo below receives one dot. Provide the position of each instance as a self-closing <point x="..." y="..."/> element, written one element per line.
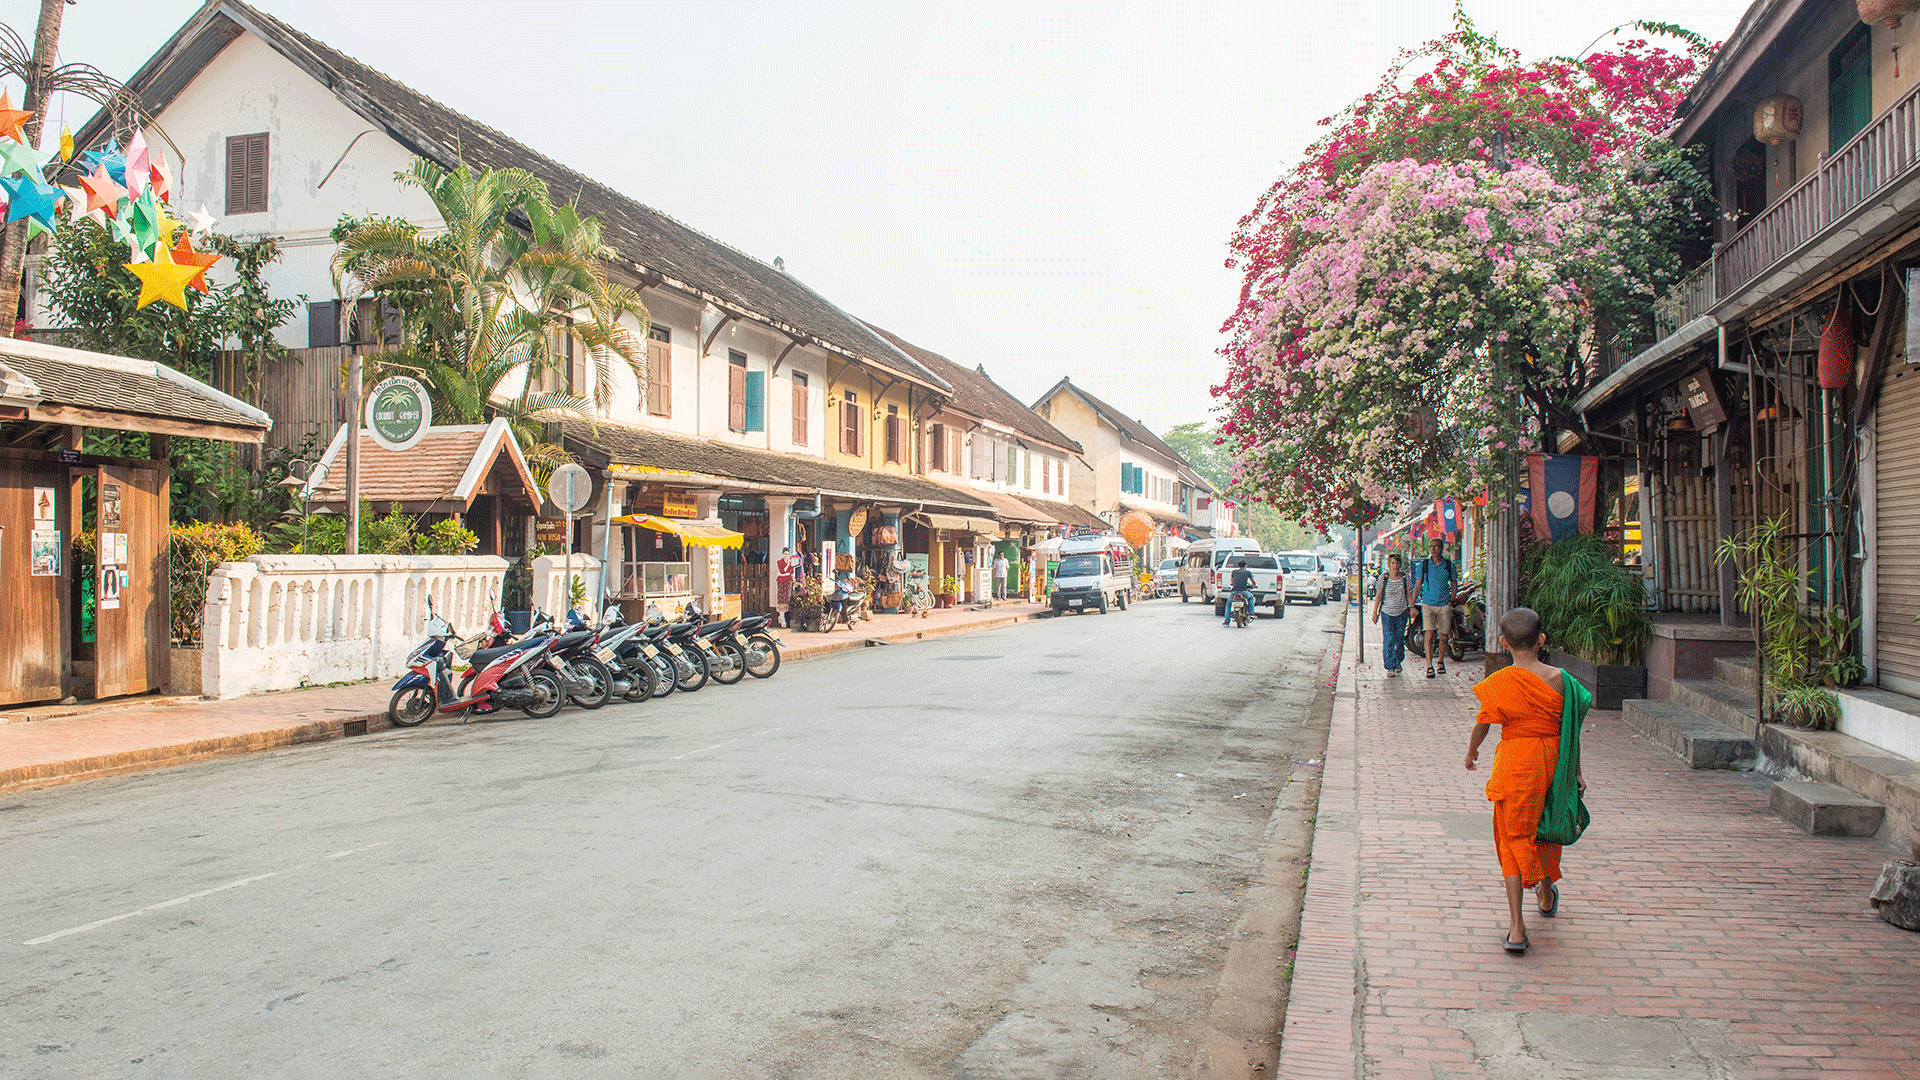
<point x="1268" y="587"/>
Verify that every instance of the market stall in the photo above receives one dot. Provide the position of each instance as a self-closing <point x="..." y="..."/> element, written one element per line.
<point x="670" y="584"/>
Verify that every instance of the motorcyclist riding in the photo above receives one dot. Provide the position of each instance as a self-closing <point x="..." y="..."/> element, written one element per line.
<point x="1241" y="585"/>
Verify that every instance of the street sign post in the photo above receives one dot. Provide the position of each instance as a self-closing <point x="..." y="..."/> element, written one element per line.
<point x="569" y="487"/>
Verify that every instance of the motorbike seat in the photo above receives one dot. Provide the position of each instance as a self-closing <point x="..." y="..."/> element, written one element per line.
<point x="573" y="640"/>
<point x="484" y="657"/>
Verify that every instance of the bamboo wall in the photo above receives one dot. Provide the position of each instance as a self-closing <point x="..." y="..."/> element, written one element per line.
<point x="302" y="392"/>
<point x="1688" y="531"/>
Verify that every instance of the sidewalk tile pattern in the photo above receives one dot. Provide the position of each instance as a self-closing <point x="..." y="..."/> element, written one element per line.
<point x="1687" y="902"/>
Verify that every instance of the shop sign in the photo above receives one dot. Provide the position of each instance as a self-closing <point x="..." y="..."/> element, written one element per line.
<point x="857" y="520"/>
<point x="550" y="531"/>
<point x="678" y="504"/>
<point x="398" y="413"/>
<point x="1703" y="401"/>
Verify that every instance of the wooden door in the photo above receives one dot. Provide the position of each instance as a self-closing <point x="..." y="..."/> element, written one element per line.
<point x="32" y="654"/>
<point x="131" y="625"/>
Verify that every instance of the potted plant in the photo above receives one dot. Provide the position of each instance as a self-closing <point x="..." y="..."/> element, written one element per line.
<point x="806" y="604"/>
<point x="1595" y="614"/>
<point x="1797" y="650"/>
<point x="949" y="587"/>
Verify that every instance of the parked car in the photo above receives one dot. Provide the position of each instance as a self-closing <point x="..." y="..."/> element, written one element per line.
<point x="1090" y="578"/>
<point x="1334" y="572"/>
<point x="1167" y="576"/>
<point x="1267" y="588"/>
<point x="1203" y="558"/>
<point x="1304" y="580"/>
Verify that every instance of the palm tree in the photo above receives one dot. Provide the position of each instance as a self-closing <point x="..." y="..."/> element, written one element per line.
<point x="487" y="301"/>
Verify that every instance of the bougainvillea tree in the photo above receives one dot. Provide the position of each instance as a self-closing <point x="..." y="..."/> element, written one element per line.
<point x="1453" y="250"/>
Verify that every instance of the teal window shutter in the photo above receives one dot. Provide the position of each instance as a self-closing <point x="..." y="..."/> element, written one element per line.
<point x="756" y="401"/>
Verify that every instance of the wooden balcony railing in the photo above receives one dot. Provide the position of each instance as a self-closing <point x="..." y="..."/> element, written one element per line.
<point x="1686" y="301"/>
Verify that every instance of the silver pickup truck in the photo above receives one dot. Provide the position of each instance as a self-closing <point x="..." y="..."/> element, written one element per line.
<point x="1268" y="588"/>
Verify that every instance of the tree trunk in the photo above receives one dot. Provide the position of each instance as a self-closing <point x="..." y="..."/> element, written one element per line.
<point x="13" y="242"/>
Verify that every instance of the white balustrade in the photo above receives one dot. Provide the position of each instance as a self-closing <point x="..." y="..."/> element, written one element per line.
<point x="548" y="592"/>
<point x="275" y="622"/>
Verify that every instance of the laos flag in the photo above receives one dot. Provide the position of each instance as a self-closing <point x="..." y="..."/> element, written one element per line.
<point x="1447" y="511"/>
<point x="1562" y="491"/>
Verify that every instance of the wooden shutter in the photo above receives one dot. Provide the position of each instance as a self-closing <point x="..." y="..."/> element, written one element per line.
<point x="577" y="379"/>
<point x="737" y="394"/>
<point x="1046" y="477"/>
<point x="893" y="437"/>
<point x="937" y="448"/>
<point x="800" y="410"/>
<point x="850" y="428"/>
<point x="1026" y="469"/>
<point x="247" y="173"/>
<point x="953" y="452"/>
<point x="756" y="401"/>
<point x="659" y="377"/>
<point x="982" y="454"/>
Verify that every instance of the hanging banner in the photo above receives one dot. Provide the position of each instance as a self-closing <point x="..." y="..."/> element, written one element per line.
<point x="1562" y="490"/>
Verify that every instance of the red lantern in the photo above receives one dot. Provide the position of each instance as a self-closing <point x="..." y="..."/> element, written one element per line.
<point x="1836" y="349"/>
<point x="1886" y="12"/>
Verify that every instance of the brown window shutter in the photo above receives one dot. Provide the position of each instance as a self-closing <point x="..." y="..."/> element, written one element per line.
<point x="736" y="397"/>
<point x="237" y="174"/>
<point x="799" y="414"/>
<point x="257" y="172"/>
<point x="849" y="435"/>
<point x="937" y="447"/>
<point x="659" y="378"/>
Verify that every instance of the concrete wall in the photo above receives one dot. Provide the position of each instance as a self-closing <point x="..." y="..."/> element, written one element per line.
<point x="275" y="622"/>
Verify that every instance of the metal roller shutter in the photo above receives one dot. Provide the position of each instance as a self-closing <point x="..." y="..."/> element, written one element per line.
<point x="1897" y="532"/>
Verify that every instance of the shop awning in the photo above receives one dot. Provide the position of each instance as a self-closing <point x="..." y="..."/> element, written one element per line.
<point x="956" y="523"/>
<point x="688" y="532"/>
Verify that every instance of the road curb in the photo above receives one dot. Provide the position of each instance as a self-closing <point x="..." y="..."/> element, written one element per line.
<point x="48" y="774"/>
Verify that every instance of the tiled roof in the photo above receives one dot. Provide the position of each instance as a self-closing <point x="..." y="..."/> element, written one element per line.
<point x="438" y="473"/>
<point x="977" y="395"/>
<point x="117" y="384"/>
<point x="645" y="236"/>
<point x="1069" y="513"/>
<point x="1008" y="507"/>
<point x="1132" y="429"/>
<point x="646" y="448"/>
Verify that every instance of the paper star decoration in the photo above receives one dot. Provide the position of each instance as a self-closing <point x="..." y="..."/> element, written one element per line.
<point x="202" y="221"/>
<point x="139" y="167"/>
<point x="184" y="255"/>
<point x="30" y="196"/>
<point x="162" y="175"/>
<point x="66" y="143"/>
<point x="147" y="220"/>
<point x="102" y="193"/>
<point x="109" y="159"/>
<point x="164" y="279"/>
<point x="19" y="157"/>
<point x="11" y="118"/>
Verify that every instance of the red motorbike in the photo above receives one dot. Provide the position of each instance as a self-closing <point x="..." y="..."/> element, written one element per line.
<point x="505" y="677"/>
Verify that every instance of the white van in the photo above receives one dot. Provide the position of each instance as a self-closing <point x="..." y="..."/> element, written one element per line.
<point x="1203" y="563"/>
<point x="1093" y="575"/>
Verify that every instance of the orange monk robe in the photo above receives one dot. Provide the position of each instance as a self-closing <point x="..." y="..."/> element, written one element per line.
<point x="1527" y="711"/>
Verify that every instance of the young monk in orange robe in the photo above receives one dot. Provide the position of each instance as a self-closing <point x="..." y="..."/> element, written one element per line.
<point x="1525" y="699"/>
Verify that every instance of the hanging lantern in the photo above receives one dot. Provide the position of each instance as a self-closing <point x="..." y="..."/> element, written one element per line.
<point x="1885" y="12"/>
<point x="1136" y="528"/>
<point x="1836" y="349"/>
<point x="1777" y="119"/>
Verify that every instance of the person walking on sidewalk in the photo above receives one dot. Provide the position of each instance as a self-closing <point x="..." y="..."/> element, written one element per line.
<point x="999" y="575"/>
<point x="1393" y="599"/>
<point x="1526" y="700"/>
<point x="1434" y="582"/>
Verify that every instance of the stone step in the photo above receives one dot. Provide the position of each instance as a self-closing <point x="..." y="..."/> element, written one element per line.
<point x="1735" y="671"/>
<point x="1825" y="809"/>
<point x="1719" y="702"/>
<point x="1694" y="738"/>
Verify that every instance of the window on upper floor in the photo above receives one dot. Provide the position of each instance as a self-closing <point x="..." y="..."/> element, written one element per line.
<point x="1849" y="87"/>
<point x="1026" y="469"/>
<point x="800" y="403"/>
<point x="1046" y="477"/>
<point x="980" y="466"/>
<point x="659" y="370"/>
<point x="852" y="429"/>
<point x="937" y="448"/>
<point x="1013" y="465"/>
<point x="737" y="391"/>
<point x="247" y="173"/>
<point x="896" y="436"/>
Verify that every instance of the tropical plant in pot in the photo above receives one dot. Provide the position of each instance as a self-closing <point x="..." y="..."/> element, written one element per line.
<point x="1589" y="604"/>
<point x="806" y="604"/>
<point x="1791" y="651"/>
<point x="949" y="588"/>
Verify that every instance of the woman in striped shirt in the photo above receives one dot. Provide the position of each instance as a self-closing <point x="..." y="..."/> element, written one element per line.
<point x="1392" y="598"/>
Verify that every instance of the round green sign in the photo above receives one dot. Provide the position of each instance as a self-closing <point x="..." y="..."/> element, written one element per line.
<point x="398" y="413"/>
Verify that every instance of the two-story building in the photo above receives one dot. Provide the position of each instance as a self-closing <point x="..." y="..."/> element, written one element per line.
<point x="1780" y="380"/>
<point x="762" y="406"/>
<point x="1127" y="467"/>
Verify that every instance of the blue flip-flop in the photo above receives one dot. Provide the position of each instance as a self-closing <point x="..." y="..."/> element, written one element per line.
<point x="1506" y="942"/>
<point x="1553" y="909"/>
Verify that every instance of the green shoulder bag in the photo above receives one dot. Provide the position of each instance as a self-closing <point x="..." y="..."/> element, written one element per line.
<point x="1565" y="816"/>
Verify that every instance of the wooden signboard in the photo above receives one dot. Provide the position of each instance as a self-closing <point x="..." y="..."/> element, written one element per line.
<point x="1704" y="406"/>
<point x="550" y="531"/>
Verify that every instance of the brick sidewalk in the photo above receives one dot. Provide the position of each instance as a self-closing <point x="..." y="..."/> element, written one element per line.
<point x="1699" y="936"/>
<point x="125" y="735"/>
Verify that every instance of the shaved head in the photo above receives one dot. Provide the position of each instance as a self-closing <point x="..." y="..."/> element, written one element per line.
<point x="1521" y="627"/>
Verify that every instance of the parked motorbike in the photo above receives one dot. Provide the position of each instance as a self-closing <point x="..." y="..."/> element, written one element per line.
<point x="506" y="677"/>
<point x="845" y="602"/>
<point x="629" y="656"/>
<point x="1469" y="626"/>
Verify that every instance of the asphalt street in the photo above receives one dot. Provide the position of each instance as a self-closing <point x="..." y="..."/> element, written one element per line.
<point x="1028" y="852"/>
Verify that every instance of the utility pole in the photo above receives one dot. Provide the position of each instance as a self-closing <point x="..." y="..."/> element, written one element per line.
<point x="13" y="242"/>
<point x="353" y="453"/>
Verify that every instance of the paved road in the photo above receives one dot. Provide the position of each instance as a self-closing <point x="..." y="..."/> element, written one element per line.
<point x="1019" y="853"/>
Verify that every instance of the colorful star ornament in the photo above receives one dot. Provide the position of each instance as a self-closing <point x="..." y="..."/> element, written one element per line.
<point x="164" y="279"/>
<point x="184" y="255"/>
<point x="11" y="118"/>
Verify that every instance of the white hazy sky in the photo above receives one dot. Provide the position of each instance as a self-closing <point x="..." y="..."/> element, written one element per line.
<point x="1041" y="188"/>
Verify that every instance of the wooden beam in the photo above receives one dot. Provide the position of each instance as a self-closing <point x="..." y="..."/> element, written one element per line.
<point x="95" y="418"/>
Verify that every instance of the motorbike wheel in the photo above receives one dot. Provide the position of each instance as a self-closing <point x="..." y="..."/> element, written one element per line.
<point x="697" y="678"/>
<point x="1240" y="617"/>
<point x="733" y="663"/>
<point x="1456" y="648"/>
<point x="410" y="707"/>
<point x="646" y="680"/>
<point x="769" y="657"/>
<point x="1416" y="640"/>
<point x="590" y="670"/>
<point x="665" y="674"/>
<point x="549" y="695"/>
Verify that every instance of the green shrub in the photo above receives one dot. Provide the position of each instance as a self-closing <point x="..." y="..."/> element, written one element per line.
<point x="194" y="552"/>
<point x="1589" y="604"/>
<point x="445" y="537"/>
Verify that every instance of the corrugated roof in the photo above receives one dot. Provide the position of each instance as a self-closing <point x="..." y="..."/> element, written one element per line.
<point x="976" y="394"/>
<point x="644" y="448"/>
<point x="645" y="236"/>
